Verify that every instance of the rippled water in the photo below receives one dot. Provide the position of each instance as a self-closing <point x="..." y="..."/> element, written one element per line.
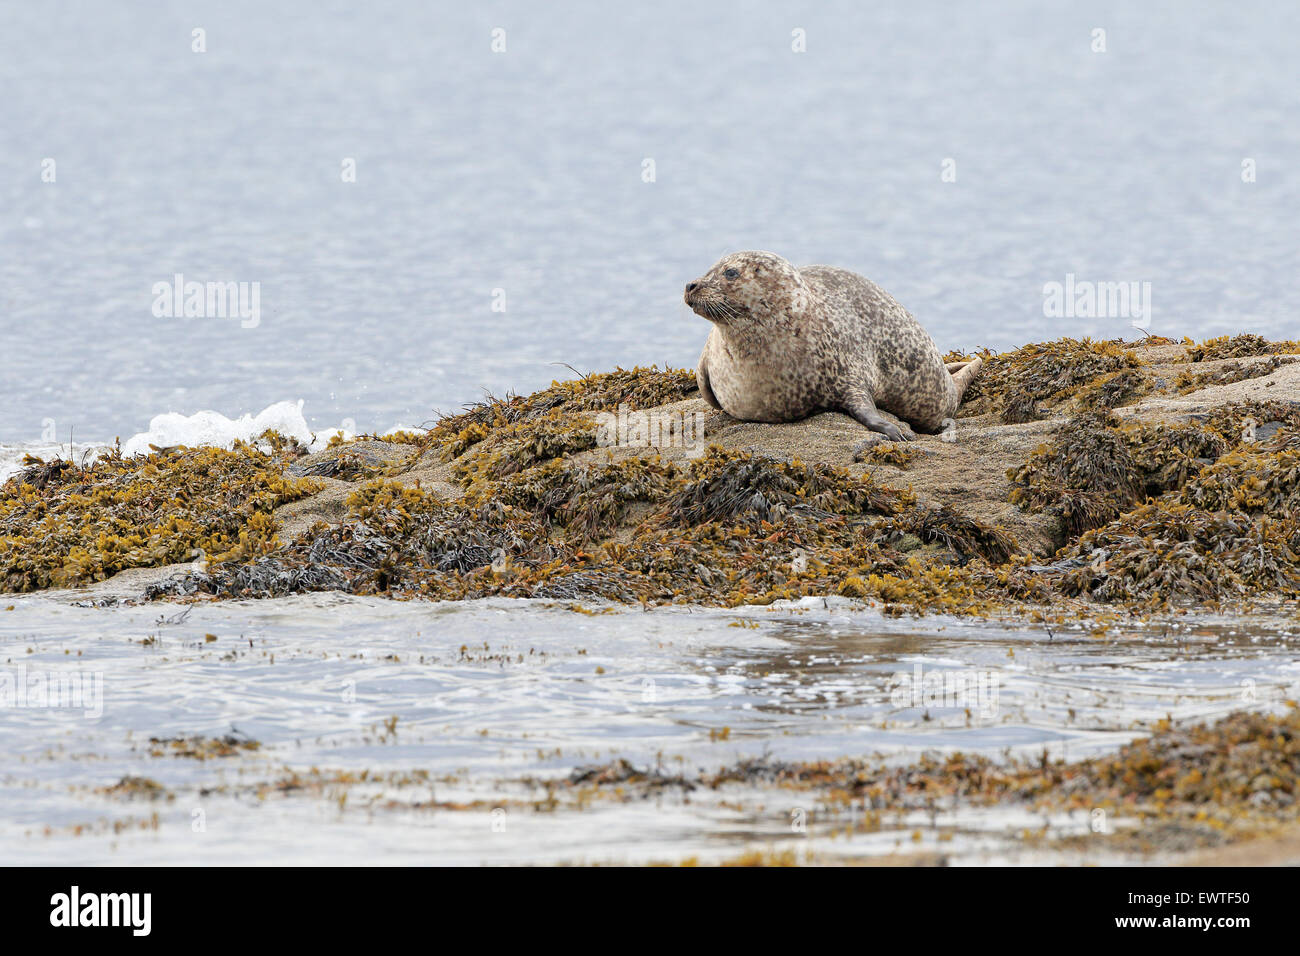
<point x="522" y="171"/>
<point x="489" y="694"/>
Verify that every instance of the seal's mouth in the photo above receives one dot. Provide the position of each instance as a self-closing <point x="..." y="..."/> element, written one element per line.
<point x="714" y="311"/>
<point x="706" y="302"/>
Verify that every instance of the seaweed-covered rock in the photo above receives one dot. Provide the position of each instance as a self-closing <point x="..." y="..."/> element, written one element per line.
<point x="726" y="486"/>
<point x="637" y="388"/>
<point x="1178" y="499"/>
<point x="1237" y="346"/>
<point x="63" y="525"/>
<point x="1085" y="477"/>
<point x="1015" y="384"/>
<point x="1228" y="373"/>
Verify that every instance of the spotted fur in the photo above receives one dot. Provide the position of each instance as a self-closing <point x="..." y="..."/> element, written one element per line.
<point x="789" y="342"/>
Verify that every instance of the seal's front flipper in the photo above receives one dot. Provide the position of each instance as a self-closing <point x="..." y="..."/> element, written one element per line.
<point x="865" y="411"/>
<point x="702" y="380"/>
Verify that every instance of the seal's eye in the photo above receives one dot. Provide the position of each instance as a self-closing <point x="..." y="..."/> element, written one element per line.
<point x="732" y="273"/>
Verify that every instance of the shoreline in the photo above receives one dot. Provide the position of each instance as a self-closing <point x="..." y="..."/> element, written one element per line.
<point x="1080" y="480"/>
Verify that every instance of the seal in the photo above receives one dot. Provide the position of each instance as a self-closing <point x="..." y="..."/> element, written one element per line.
<point x="788" y="342"/>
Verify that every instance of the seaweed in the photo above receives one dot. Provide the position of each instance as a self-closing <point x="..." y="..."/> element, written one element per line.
<point x="1226" y="532"/>
<point x="1252" y="482"/>
<point x="359" y="459"/>
<point x="898" y="454"/>
<point x="1022" y="385"/>
<point x="732" y="528"/>
<point x="585" y="500"/>
<point x="1085" y="477"/>
<point x="739" y="486"/>
<point x="397" y="539"/>
<point x="1116" y="389"/>
<point x="636" y="388"/>
<point x="1237" y="776"/>
<point x="967" y="537"/>
<point x="1236" y="346"/>
<point x="518" y="446"/>
<point x="81" y="524"/>
<point x="202" y="748"/>
<point x="1226" y="374"/>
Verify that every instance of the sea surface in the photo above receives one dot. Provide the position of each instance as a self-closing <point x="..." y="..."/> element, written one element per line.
<point x="425" y="219"/>
<point x="407" y="732"/>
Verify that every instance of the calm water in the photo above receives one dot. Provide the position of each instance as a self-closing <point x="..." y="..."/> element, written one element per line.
<point x="488" y="694"/>
<point x="522" y="171"/>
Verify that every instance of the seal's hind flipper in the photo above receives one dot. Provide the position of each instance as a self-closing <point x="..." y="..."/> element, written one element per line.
<point x="864" y="410"/>
<point x="964" y="376"/>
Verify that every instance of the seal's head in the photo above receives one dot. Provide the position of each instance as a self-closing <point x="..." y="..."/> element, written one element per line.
<point x="747" y="288"/>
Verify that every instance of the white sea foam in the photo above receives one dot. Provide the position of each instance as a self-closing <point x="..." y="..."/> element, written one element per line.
<point x="205" y="428"/>
<point x="402" y="427"/>
<point x="209" y="428"/>
<point x="11" y="456"/>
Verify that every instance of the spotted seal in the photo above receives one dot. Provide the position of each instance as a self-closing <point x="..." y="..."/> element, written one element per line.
<point x="789" y="342"/>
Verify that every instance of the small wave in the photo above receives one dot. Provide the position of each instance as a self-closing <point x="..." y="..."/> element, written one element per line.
<point x="209" y="428"/>
<point x="205" y="428"/>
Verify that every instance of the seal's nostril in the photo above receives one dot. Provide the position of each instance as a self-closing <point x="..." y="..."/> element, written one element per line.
<point x="692" y="286"/>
